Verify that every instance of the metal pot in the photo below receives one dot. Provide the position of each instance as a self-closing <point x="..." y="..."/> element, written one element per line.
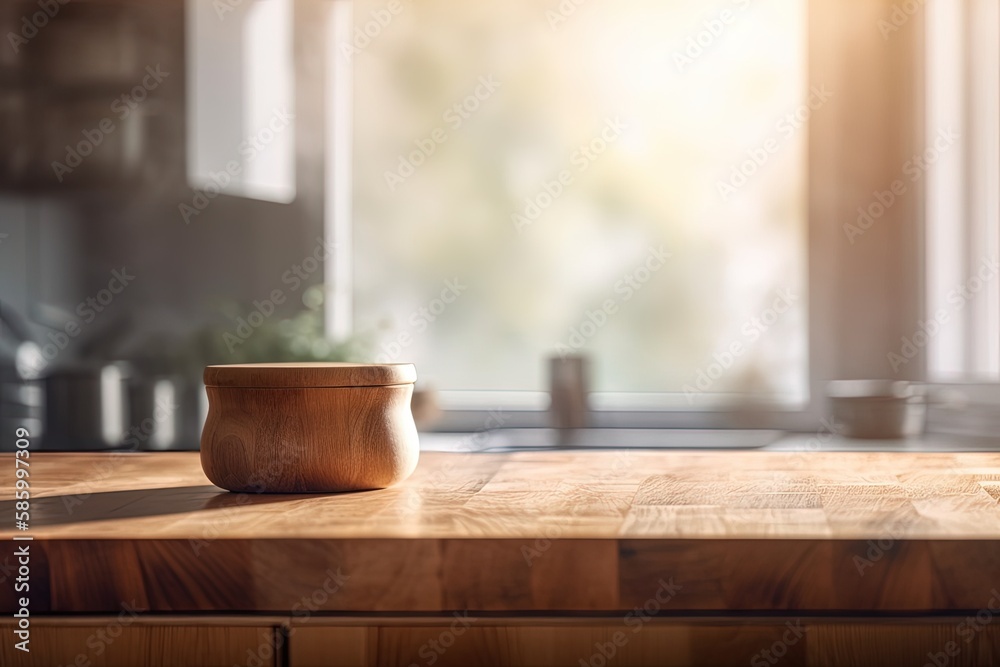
<point x="166" y="413"/>
<point x="87" y="407"/>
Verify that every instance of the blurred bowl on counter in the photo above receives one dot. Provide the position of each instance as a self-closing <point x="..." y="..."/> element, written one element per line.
<point x="877" y="409"/>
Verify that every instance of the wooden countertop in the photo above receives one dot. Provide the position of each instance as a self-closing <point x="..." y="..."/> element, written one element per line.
<point x="522" y="495"/>
<point x="540" y="530"/>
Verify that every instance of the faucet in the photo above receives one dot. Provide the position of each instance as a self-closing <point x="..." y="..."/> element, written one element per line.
<point x="568" y="389"/>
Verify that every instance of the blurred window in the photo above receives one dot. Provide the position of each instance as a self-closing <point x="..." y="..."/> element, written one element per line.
<point x="624" y="180"/>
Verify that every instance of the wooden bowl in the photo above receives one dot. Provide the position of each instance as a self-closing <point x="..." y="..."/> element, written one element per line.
<point x="309" y="427"/>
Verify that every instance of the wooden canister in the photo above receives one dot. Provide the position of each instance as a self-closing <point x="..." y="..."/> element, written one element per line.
<point x="309" y="427"/>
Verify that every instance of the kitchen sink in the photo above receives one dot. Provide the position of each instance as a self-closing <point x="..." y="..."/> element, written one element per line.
<point x="535" y="439"/>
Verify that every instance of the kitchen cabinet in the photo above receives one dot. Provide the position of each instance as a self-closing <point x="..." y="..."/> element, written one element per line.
<point x="575" y="642"/>
<point x="89" y="93"/>
<point x="694" y="557"/>
<point x="111" y="94"/>
<point x="461" y="640"/>
<point x="124" y="640"/>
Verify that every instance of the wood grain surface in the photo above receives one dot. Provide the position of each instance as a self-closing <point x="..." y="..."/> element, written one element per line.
<point x="546" y="531"/>
<point x="123" y="642"/>
<point x="571" y="494"/>
<point x="309" y="374"/>
<point x="464" y="640"/>
<point x="313" y="440"/>
<point x="657" y="642"/>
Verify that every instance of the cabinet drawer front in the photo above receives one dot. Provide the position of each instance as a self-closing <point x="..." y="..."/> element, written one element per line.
<point x="115" y="645"/>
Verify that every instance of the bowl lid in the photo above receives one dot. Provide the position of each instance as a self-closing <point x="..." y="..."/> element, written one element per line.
<point x="309" y="374"/>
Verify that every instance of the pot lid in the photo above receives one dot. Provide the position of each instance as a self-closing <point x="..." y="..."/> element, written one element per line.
<point x="309" y="374"/>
